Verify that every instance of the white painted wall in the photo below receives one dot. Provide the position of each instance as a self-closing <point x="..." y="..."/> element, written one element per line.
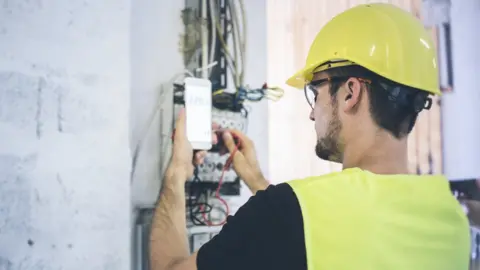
<point x="460" y="109"/>
<point x="64" y="156"/>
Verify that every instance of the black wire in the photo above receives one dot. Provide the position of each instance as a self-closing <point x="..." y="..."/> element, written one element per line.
<point x="228" y="102"/>
<point x="192" y="199"/>
<point x="198" y="201"/>
<point x="201" y="208"/>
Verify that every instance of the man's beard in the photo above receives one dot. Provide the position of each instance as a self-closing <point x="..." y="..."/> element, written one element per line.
<point x="328" y="148"/>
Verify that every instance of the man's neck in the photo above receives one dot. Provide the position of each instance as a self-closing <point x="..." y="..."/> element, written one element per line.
<point x="383" y="154"/>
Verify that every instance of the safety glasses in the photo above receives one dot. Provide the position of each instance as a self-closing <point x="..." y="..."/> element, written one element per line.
<point x="311" y="89"/>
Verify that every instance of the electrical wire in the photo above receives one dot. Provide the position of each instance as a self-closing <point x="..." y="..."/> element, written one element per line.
<point x="194" y="201"/>
<point x="204" y="38"/>
<point x="196" y="27"/>
<point x="272" y="93"/>
<point x="213" y="17"/>
<point x="238" y="38"/>
<point x="244" y="36"/>
<point x="236" y="59"/>
<point x="221" y="98"/>
<point x="228" y="56"/>
<point x="235" y="43"/>
<point x="218" y="196"/>
<point x="198" y="201"/>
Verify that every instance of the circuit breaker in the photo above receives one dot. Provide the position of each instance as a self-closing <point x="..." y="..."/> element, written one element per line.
<point x="210" y="172"/>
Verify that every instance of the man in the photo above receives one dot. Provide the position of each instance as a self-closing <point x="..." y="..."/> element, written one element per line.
<point x="368" y="74"/>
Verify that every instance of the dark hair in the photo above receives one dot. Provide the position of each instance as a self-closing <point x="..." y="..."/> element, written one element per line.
<point x="393" y="106"/>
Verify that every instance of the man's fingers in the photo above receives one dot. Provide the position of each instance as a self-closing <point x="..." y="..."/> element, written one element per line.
<point x="229" y="141"/>
<point x="199" y="157"/>
<point x="236" y="156"/>
<point x="244" y="140"/>
<point x="200" y="154"/>
<point x="214" y="138"/>
<point x="180" y="125"/>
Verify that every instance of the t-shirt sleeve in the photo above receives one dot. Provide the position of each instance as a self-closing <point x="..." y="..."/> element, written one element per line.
<point x="265" y="233"/>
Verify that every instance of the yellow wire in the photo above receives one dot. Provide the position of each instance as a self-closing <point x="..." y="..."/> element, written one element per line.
<point x="218" y="92"/>
<point x="274" y="93"/>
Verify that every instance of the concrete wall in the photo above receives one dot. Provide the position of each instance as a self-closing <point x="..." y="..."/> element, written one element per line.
<point x="64" y="149"/>
<point x="78" y="81"/>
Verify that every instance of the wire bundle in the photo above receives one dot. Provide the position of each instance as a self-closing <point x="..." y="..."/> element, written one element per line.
<point x="197" y="202"/>
<point x="236" y="58"/>
<point x="226" y="43"/>
<point x="198" y="207"/>
<point x="256" y="94"/>
<point x="234" y="102"/>
<point x="236" y="26"/>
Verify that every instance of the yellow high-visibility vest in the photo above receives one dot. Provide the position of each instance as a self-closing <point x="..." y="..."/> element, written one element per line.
<point x="358" y="220"/>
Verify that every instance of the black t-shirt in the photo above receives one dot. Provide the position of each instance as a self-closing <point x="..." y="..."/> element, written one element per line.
<point x="265" y="233"/>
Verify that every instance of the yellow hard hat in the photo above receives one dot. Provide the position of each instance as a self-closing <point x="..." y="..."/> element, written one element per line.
<point x="380" y="37"/>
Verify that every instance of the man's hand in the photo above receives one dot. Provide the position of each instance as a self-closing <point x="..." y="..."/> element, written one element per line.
<point x="244" y="160"/>
<point x="183" y="159"/>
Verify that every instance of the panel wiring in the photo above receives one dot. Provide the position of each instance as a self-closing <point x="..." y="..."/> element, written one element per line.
<point x="223" y="60"/>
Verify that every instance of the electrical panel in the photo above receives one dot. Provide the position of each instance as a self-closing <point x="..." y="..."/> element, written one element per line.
<point x="213" y="47"/>
<point x="214" y="166"/>
<point x="208" y="20"/>
<point x="214" y="186"/>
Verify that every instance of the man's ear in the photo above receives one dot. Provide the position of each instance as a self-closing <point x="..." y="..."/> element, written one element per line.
<point x="353" y="94"/>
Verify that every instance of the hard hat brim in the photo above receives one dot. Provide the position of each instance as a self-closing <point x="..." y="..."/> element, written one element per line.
<point x="305" y="75"/>
<point x="301" y="78"/>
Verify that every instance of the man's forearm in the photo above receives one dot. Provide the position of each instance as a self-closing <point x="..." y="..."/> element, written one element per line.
<point x="168" y="237"/>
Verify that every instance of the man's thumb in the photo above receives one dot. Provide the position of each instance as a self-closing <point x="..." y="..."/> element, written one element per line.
<point x="229" y="141"/>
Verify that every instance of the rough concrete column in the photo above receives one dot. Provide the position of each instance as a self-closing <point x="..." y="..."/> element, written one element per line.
<point x="64" y="148"/>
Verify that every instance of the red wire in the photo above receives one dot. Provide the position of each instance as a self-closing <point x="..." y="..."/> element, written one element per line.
<point x="227" y="165"/>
